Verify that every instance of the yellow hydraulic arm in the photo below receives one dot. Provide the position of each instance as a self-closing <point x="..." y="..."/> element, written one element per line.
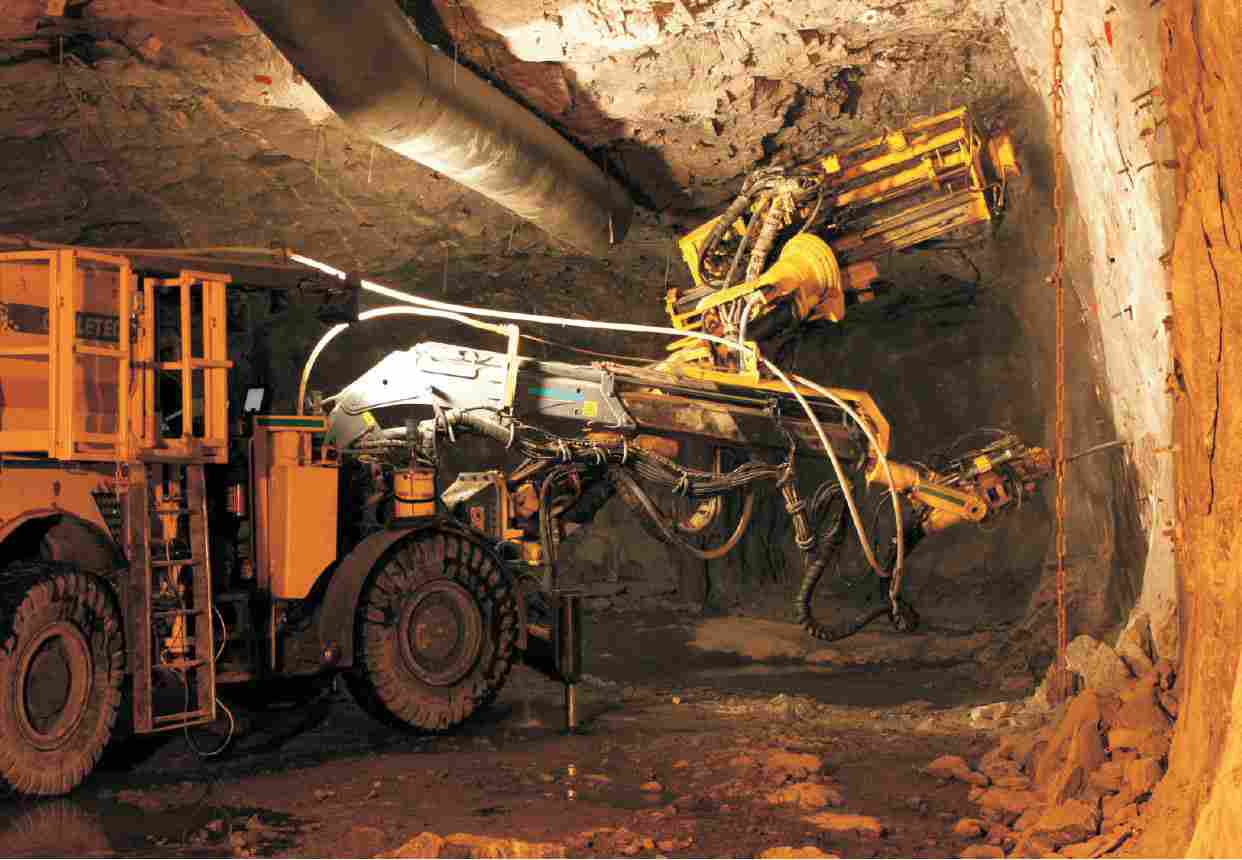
<point x="828" y="221"/>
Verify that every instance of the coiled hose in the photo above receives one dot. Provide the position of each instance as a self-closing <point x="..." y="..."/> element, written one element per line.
<point x="814" y="563"/>
<point x="638" y="501"/>
<point x="806" y="615"/>
<point x="773" y="221"/>
<point x="759" y="182"/>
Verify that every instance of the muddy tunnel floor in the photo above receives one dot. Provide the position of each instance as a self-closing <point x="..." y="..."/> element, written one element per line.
<point x="717" y="737"/>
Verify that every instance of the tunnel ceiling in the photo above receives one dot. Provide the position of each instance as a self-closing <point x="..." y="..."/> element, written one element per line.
<point x="686" y="97"/>
<point x="142" y="122"/>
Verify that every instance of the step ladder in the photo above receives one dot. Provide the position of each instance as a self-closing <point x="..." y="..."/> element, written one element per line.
<point x="172" y="645"/>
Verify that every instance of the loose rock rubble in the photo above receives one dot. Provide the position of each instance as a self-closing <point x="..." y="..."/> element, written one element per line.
<point x="843" y="822"/>
<point x="955" y="767"/>
<point x="469" y="845"/>
<point x="782" y="764"/>
<point x="1077" y="786"/>
<point x="1098" y="664"/>
<point x="806" y="795"/>
<point x="971" y="828"/>
<point x="786" y="851"/>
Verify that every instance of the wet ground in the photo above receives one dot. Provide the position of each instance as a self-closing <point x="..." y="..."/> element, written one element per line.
<point x="680" y="748"/>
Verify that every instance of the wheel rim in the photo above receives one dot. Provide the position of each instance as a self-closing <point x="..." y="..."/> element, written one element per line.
<point x="441" y="632"/>
<point x="54" y="681"/>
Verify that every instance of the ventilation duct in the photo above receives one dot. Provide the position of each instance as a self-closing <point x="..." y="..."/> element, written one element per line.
<point x="366" y="61"/>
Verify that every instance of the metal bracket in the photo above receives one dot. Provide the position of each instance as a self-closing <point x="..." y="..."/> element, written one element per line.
<point x="608" y="387"/>
<point x="511" y="368"/>
<point x="774" y="410"/>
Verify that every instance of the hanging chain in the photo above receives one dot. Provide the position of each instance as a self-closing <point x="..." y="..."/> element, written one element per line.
<point x="1061" y="677"/>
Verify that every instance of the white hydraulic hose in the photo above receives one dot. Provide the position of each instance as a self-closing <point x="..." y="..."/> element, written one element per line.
<point x="329" y="336"/>
<point x="836" y="464"/>
<point x="455" y="311"/>
<point x="409" y="298"/>
<point x="741" y="329"/>
<point x="881" y="458"/>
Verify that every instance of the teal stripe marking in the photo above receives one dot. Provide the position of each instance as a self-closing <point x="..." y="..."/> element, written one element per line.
<point x="557" y="394"/>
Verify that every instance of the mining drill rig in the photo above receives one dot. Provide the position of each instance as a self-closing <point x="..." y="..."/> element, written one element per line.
<point x="161" y="537"/>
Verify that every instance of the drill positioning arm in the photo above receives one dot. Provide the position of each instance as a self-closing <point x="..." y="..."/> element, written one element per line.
<point x="828" y="221"/>
<point x="972" y="487"/>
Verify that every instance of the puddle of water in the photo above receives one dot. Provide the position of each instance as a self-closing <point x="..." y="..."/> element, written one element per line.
<point x="95" y="827"/>
<point x="57" y="828"/>
<point x="602" y="790"/>
<point x="618" y="796"/>
<point x="862" y="686"/>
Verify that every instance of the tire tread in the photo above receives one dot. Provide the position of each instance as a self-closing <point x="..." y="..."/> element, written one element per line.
<point x="29" y="592"/>
<point x="390" y="694"/>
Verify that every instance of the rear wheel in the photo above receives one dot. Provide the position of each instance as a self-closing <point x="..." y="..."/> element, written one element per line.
<point x="62" y="662"/>
<point x="436" y="632"/>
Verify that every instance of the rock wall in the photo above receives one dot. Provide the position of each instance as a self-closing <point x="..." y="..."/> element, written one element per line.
<point x="1117" y="146"/>
<point x="1193" y="809"/>
<point x="1202" y="792"/>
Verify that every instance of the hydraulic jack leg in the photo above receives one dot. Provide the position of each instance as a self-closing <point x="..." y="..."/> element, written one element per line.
<point x="567" y="634"/>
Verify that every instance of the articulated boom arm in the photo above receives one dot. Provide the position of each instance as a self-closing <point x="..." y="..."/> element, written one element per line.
<point x="589" y="432"/>
<point x="620" y="398"/>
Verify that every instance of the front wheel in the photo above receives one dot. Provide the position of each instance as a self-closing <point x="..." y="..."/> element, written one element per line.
<point x="436" y="632"/>
<point x="62" y="662"/>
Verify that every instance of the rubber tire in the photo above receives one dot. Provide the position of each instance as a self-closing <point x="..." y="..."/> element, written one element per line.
<point x="382" y="682"/>
<point x="33" y="598"/>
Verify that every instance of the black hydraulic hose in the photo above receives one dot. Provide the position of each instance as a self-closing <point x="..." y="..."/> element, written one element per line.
<point x="806" y="615"/>
<point x="694" y="483"/>
<point x="814" y="565"/>
<point x="743" y="523"/>
<point x="752" y="230"/>
<point x="735" y="210"/>
<point x="761" y="181"/>
<point x="547" y="534"/>
<point x="698" y="484"/>
<point x="638" y="500"/>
